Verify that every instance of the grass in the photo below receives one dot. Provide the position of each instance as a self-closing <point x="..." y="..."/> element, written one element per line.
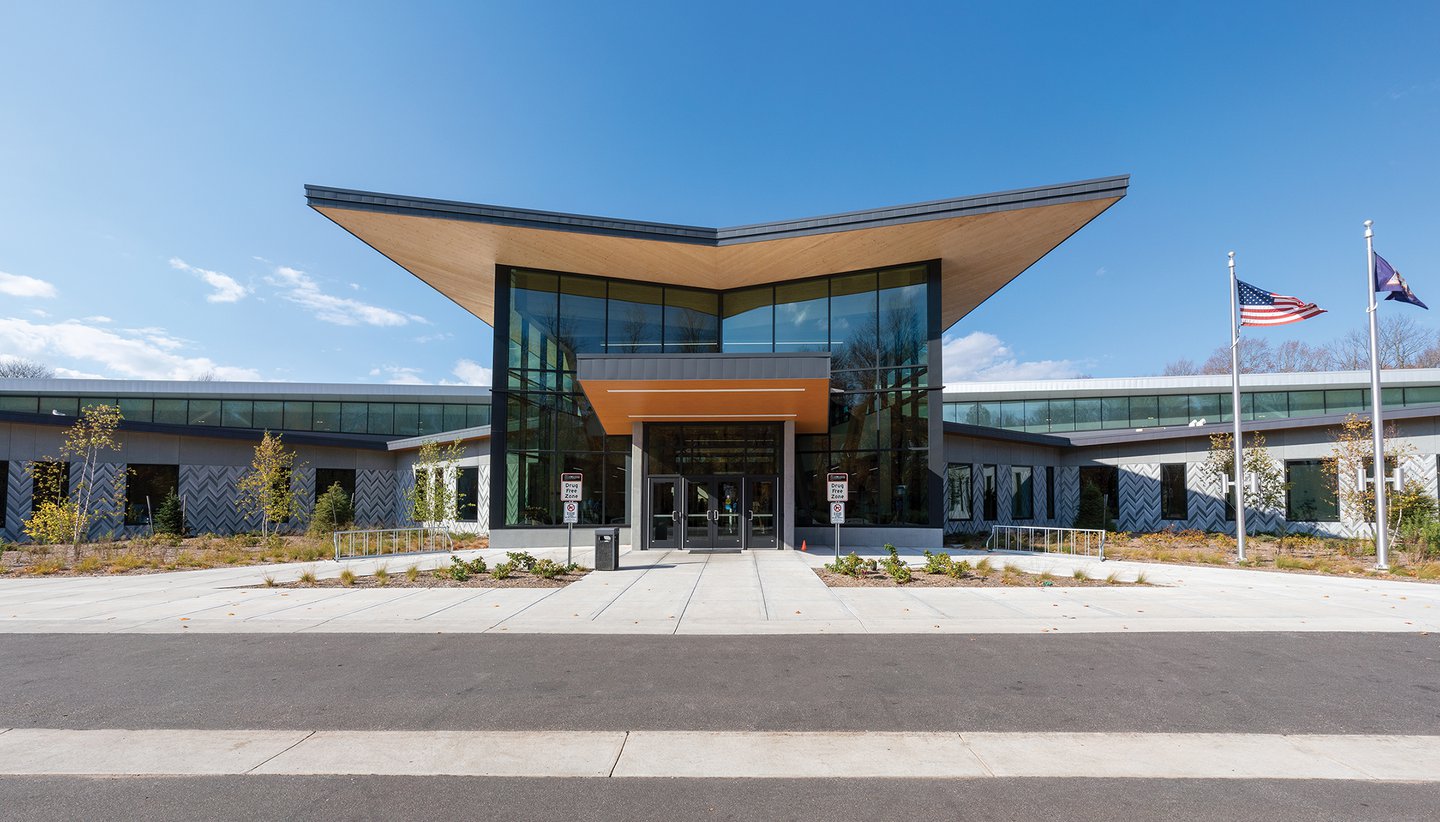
<point x="307" y="577"/>
<point x="268" y="581"/>
<point x="1080" y="574"/>
<point x="347" y="577"/>
<point x="1113" y="578"/>
<point x="983" y="568"/>
<point x="412" y="573"/>
<point x="382" y="576"/>
<point x="1140" y="579"/>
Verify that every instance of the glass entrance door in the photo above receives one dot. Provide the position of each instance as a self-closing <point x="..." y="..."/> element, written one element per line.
<point x="762" y="506"/>
<point x="728" y="514"/>
<point x="663" y="518"/>
<point x="699" y="515"/>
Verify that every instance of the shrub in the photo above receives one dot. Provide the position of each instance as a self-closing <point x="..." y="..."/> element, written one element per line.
<point x="851" y="565"/>
<point x="333" y="511"/>
<point x="46" y="567"/>
<point x="547" y="569"/>
<point x="243" y="540"/>
<point x="88" y="565"/>
<point x="53" y="523"/>
<point x="502" y="570"/>
<point x="459" y="570"/>
<point x="521" y="560"/>
<point x="127" y="561"/>
<point x="169" y="516"/>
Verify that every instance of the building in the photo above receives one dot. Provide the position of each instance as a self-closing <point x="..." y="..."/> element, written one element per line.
<point x="705" y="380"/>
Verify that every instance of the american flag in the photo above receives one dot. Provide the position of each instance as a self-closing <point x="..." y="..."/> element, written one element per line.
<point x="1261" y="307"/>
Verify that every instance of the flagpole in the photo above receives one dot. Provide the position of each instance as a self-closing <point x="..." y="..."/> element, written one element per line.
<point x="1377" y="423"/>
<point x="1235" y="416"/>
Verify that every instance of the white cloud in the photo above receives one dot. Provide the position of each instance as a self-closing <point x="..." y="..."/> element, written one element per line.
<point x="983" y="357"/>
<point x="227" y="288"/>
<point x="39" y="312"/>
<point x="146" y="354"/>
<point x="436" y="337"/>
<point x="99" y="318"/>
<point x="400" y="375"/>
<point x="18" y="285"/>
<point x="299" y="288"/>
<point x="471" y="373"/>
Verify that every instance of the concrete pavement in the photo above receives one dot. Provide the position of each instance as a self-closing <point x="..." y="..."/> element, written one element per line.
<point x="751" y="593"/>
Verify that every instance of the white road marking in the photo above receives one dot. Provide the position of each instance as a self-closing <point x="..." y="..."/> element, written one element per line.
<point x="721" y="754"/>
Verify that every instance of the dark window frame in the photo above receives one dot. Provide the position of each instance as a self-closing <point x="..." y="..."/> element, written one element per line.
<point x="1171" y="507"/>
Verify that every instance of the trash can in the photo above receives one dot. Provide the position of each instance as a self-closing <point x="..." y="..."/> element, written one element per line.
<point x="607" y="549"/>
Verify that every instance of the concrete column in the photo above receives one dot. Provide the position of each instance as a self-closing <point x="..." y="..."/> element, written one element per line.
<point x="637" y="485"/>
<point x="787" y="482"/>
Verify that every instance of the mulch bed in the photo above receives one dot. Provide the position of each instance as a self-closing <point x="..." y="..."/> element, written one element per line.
<point x="429" y="579"/>
<point x="997" y="579"/>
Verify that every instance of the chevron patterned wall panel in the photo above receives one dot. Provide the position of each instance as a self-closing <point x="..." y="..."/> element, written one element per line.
<point x="17" y="502"/>
<point x="375" y="499"/>
<point x="1067" y="495"/>
<point x="303" y="483"/>
<point x="1004" y="492"/>
<point x="1139" y="497"/>
<point x="108" y="496"/>
<point x="482" y="505"/>
<point x="1205" y="503"/>
<point x="404" y="483"/>
<point x="209" y="493"/>
<point x="1041" y="514"/>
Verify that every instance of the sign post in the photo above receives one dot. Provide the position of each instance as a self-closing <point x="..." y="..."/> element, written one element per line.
<point x="837" y="492"/>
<point x="571" y="492"/>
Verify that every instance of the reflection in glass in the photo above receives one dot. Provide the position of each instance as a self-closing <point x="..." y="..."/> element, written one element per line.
<point x="748" y="326"/>
<point x="636" y="318"/>
<point x="802" y="316"/>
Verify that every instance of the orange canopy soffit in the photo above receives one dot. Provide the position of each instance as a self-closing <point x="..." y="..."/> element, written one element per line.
<point x="982" y="242"/>
<point x="719" y="388"/>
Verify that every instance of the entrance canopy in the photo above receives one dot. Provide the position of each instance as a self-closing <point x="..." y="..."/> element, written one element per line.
<point x="723" y="388"/>
<point x="982" y="242"/>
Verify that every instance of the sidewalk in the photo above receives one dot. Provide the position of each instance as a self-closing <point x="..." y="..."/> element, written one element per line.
<point x="774" y="592"/>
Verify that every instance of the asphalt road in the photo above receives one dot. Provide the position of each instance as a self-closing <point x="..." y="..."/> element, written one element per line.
<point x="667" y="800"/>
<point x="1254" y="683"/>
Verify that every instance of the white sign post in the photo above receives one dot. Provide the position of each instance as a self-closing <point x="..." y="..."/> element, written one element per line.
<point x="837" y="491"/>
<point x="571" y="492"/>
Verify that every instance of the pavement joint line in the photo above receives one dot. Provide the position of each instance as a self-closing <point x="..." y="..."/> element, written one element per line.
<point x="368" y="607"/>
<point x="683" y="608"/>
<point x="550" y="592"/>
<point x="279" y="753"/>
<point x="654" y="565"/>
<point x="989" y="772"/>
<point x="618" y="754"/>
<point x="760" y="580"/>
<point x="457" y="602"/>
<point x="283" y="610"/>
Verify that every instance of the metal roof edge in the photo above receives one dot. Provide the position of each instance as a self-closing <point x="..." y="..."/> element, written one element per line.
<point x="318" y="196"/>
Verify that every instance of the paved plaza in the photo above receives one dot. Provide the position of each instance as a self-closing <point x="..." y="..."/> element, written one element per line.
<point x="751" y="593"/>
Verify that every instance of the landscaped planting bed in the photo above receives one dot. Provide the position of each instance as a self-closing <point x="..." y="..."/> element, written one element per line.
<point x="163" y="552"/>
<point x="943" y="571"/>
<point x="1291" y="552"/>
<point x="518" y="570"/>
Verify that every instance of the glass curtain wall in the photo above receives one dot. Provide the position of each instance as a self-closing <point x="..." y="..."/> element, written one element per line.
<point x="873" y="323"/>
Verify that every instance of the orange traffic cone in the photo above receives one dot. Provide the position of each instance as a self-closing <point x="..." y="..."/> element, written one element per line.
<point x="802" y="545"/>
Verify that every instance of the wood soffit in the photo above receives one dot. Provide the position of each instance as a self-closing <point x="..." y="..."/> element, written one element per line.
<point x="979" y="253"/>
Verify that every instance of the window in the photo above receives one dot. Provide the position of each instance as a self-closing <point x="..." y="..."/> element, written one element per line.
<point x="1050" y="492"/>
<point x="1174" y="501"/>
<point x="4" y="490"/>
<point x="1022" y="494"/>
<point x="51" y="483"/>
<point x="1311" y="495"/>
<point x="326" y="477"/>
<point x="636" y="318"/>
<point x="467" y="493"/>
<point x="145" y="487"/>
<point x="748" y="326"/>
<point x="987" y="479"/>
<point x="957" y="507"/>
<point x="802" y="316"/>
<point x="1107" y="479"/>
<point x="691" y="321"/>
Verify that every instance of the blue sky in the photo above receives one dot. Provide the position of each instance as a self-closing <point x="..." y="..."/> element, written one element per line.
<point x="153" y="157"/>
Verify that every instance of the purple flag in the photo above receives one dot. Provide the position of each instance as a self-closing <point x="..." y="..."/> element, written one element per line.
<point x="1388" y="279"/>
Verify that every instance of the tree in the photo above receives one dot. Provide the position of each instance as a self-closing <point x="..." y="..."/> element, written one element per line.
<point x="1093" y="512"/>
<point x="1268" y="490"/>
<point x="333" y="511"/>
<point x="266" y="490"/>
<point x="432" y="498"/>
<point x="65" y="515"/>
<point x="1354" y="450"/>
<point x="169" y="516"/>
<point x="1183" y="367"/>
<point x="1402" y="342"/>
<point x="18" y="369"/>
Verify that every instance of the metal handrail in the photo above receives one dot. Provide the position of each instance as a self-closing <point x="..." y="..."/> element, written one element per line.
<point x="1078" y="541"/>
<point x="374" y="542"/>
